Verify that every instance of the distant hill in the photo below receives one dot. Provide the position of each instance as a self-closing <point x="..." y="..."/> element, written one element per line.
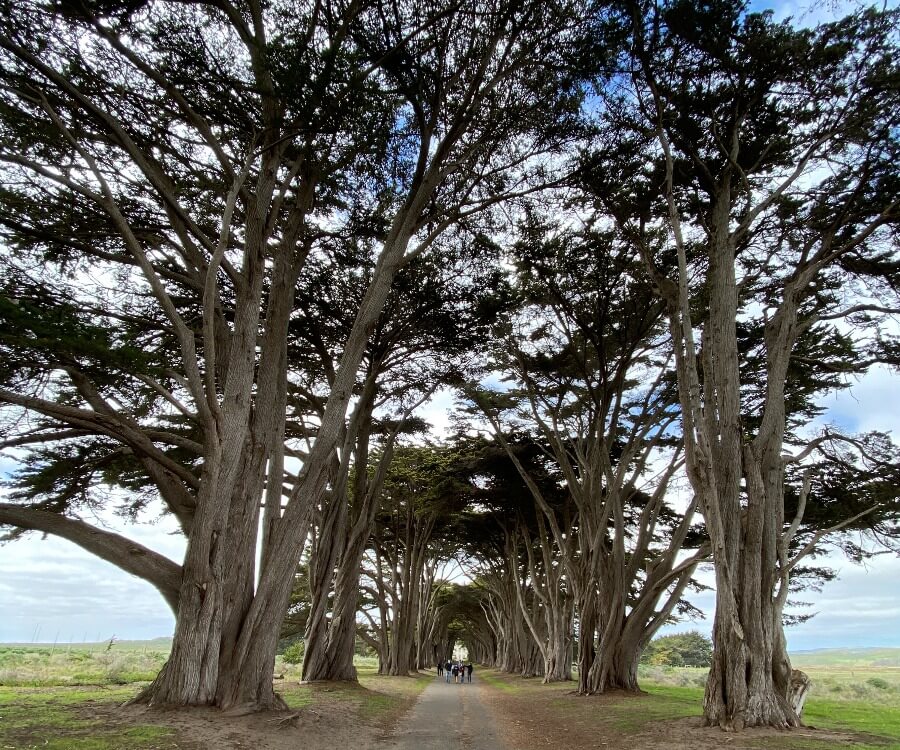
<point x="847" y="657"/>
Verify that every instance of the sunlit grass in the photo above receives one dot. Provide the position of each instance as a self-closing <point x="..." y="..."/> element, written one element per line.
<point x="66" y="665"/>
<point x="880" y="720"/>
<point x="881" y="723"/>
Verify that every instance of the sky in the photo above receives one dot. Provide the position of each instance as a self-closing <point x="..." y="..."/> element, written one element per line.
<point x="52" y="591"/>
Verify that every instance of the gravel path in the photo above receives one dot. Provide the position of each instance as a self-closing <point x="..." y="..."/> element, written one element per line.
<point x="448" y="716"/>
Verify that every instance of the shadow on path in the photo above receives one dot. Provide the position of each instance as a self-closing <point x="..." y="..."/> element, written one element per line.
<point x="448" y="715"/>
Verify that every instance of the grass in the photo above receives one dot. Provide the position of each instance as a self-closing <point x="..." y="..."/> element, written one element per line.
<point x="60" y="718"/>
<point x="48" y="666"/>
<point x="862" y="684"/>
<point x="494" y="680"/>
<point x="878" y="722"/>
<point x="662" y="702"/>
<point x="877" y="658"/>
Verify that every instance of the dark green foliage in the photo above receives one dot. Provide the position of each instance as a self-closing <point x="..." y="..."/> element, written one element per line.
<point x="689" y="649"/>
<point x="41" y="329"/>
<point x="293" y="654"/>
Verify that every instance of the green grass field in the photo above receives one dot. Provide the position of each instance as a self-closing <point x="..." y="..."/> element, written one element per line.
<point x="854" y="690"/>
<point x="879" y="721"/>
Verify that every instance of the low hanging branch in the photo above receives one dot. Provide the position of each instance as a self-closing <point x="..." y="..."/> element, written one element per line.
<point x="126" y="554"/>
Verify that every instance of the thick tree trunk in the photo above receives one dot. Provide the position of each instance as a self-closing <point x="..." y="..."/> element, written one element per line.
<point x="615" y="667"/>
<point x="749" y="682"/>
<point x="587" y="651"/>
<point x="247" y="684"/>
<point x="558" y="659"/>
<point x="321" y="569"/>
<point x="334" y="659"/>
<point x="191" y="674"/>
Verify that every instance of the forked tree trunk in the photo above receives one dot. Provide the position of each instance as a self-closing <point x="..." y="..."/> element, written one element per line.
<point x="247" y="685"/>
<point x="558" y="658"/>
<point x="333" y="660"/>
<point x="614" y="666"/>
<point x="322" y="565"/>
<point x="749" y="681"/>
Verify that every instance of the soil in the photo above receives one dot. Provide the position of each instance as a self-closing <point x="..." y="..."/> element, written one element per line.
<point x="537" y="716"/>
<point x="328" y="725"/>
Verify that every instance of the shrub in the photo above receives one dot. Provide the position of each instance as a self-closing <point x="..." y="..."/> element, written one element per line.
<point x="666" y="657"/>
<point x="293" y="654"/>
<point x="877" y="682"/>
<point x="692" y="649"/>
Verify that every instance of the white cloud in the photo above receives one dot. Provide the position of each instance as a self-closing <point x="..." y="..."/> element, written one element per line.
<point x="860" y="608"/>
<point x="52" y="590"/>
<point x="870" y="403"/>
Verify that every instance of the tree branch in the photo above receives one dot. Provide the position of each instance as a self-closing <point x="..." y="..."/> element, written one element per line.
<point x="124" y="553"/>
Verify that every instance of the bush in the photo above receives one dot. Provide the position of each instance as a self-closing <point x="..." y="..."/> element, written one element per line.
<point x="293" y="654"/>
<point x="691" y="649"/>
<point x="666" y="657"/>
<point x="877" y="682"/>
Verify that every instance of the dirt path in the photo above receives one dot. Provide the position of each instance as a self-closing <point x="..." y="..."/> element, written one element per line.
<point x="448" y="716"/>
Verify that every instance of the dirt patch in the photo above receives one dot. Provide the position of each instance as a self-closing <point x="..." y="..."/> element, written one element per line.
<point x="323" y="716"/>
<point x="209" y="729"/>
<point x="533" y="716"/>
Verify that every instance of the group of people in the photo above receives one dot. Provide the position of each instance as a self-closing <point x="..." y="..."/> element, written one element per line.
<point x="456" y="669"/>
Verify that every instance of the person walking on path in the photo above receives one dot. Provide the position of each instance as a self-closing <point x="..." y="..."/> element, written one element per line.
<point x="447" y="671"/>
<point x="469" y="669"/>
<point x="440" y="668"/>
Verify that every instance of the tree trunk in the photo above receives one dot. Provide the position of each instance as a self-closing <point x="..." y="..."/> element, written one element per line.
<point x="747" y="684"/>
<point x="321" y="575"/>
<point x="333" y="660"/>
<point x="190" y="676"/>
<point x="558" y="660"/>
<point x="615" y="667"/>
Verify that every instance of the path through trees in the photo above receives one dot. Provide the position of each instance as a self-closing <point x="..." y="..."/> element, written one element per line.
<point x="449" y="716"/>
